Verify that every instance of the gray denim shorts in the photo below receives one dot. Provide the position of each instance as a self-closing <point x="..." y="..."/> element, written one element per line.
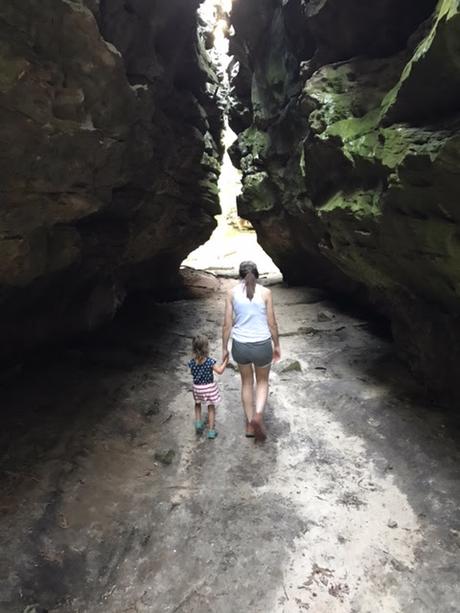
<point x="259" y="354"/>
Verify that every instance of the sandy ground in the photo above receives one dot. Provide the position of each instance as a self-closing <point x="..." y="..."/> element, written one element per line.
<point x="226" y="249"/>
<point x="110" y="503"/>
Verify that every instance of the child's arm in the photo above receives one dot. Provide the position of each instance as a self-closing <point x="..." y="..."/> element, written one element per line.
<point x="219" y="368"/>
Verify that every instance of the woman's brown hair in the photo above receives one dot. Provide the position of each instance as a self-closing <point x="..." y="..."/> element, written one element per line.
<point x="200" y="346"/>
<point x="249" y="274"/>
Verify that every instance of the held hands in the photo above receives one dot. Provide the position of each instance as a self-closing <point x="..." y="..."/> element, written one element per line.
<point x="219" y="368"/>
<point x="225" y="359"/>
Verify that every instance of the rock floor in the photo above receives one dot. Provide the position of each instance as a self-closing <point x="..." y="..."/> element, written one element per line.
<point x="111" y="504"/>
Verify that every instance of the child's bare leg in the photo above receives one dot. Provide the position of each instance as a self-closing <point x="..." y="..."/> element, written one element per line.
<point x="211" y="417"/>
<point x="197" y="411"/>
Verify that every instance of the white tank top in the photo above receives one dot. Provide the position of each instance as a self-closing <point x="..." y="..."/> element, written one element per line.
<point x="250" y="316"/>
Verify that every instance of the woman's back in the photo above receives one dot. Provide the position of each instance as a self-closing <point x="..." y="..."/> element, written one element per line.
<point x="250" y="322"/>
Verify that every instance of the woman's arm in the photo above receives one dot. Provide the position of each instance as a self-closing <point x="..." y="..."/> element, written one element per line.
<point x="227" y="327"/>
<point x="273" y="327"/>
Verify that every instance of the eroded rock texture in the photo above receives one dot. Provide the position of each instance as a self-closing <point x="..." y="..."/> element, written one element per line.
<point x="349" y="141"/>
<point x="109" y="159"/>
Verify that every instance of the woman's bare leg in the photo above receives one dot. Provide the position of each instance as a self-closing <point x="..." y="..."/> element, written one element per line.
<point x="261" y="400"/>
<point x="197" y="411"/>
<point x="262" y="375"/>
<point x="247" y="389"/>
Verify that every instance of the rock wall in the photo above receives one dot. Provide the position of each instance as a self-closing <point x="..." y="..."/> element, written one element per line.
<point x="348" y="116"/>
<point x="109" y="161"/>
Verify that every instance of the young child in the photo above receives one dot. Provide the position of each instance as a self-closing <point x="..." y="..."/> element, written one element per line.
<point x="205" y="389"/>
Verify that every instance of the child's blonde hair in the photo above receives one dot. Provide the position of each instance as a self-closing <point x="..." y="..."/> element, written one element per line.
<point x="200" y="346"/>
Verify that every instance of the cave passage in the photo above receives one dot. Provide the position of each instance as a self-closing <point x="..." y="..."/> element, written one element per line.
<point x="109" y="501"/>
<point x="234" y="239"/>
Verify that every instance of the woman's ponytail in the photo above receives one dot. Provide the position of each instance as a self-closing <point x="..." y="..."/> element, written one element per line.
<point x="249" y="274"/>
<point x="250" y="284"/>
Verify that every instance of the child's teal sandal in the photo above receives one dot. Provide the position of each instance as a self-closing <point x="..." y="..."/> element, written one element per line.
<point x="199" y="426"/>
<point x="212" y="434"/>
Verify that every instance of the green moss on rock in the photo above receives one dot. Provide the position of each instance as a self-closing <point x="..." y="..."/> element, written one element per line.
<point x="354" y="175"/>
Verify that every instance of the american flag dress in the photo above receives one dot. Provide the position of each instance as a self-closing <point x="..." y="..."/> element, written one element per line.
<point x="205" y="389"/>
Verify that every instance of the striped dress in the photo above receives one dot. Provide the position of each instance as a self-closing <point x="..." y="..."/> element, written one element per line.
<point x="205" y="389"/>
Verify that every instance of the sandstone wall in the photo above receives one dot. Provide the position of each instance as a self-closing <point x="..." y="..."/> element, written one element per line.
<point x="109" y="160"/>
<point x="348" y="116"/>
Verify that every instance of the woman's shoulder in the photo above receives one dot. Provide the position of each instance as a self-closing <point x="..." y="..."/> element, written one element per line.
<point x="265" y="292"/>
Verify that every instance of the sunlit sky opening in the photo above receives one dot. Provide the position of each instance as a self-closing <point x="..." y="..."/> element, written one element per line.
<point x="210" y="11"/>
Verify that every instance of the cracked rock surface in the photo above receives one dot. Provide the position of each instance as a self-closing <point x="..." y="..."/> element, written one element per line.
<point x="349" y="143"/>
<point x="110" y="157"/>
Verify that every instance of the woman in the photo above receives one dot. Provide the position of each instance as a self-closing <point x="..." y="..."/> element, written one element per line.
<point x="250" y="318"/>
